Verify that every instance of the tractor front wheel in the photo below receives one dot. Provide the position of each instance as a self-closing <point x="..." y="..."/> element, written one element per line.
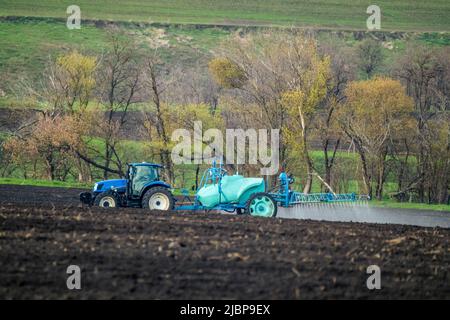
<point x="106" y="200"/>
<point x="261" y="205"/>
<point x="158" y="198"/>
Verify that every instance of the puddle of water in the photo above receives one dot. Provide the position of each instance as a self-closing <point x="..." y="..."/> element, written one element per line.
<point x="347" y="212"/>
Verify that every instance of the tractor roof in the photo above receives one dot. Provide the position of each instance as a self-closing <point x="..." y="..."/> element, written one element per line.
<point x="145" y="164"/>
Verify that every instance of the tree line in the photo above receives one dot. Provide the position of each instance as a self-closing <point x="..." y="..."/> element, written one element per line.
<point x="324" y="97"/>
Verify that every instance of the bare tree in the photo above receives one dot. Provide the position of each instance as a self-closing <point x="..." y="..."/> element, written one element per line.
<point x="425" y="73"/>
<point x="118" y="78"/>
<point x="158" y="118"/>
<point x="326" y="126"/>
<point x="281" y="75"/>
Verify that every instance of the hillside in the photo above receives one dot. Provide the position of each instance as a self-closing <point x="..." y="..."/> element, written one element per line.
<point x="32" y="33"/>
<point x="406" y="15"/>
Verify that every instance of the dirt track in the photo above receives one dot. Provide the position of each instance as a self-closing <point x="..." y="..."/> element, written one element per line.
<point x="129" y="253"/>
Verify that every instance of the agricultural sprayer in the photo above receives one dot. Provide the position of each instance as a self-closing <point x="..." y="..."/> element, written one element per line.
<point x="217" y="191"/>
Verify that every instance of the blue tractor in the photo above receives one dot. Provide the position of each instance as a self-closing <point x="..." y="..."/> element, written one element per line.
<point x="218" y="191"/>
<point x="142" y="187"/>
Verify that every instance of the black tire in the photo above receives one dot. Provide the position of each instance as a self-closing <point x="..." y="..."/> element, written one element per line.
<point x="107" y="199"/>
<point x="158" y="198"/>
<point x="268" y="198"/>
<point x="86" y="198"/>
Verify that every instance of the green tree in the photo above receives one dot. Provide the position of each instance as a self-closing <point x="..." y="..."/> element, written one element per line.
<point x="276" y="81"/>
<point x="373" y="115"/>
<point x="370" y="57"/>
<point x="71" y="82"/>
<point x="307" y="91"/>
<point x="227" y="73"/>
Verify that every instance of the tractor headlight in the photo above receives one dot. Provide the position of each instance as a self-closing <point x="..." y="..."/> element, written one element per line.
<point x="98" y="186"/>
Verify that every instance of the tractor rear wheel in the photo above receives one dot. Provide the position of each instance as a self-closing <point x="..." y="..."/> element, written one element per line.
<point x="158" y="198"/>
<point x="261" y="205"/>
<point x="107" y="199"/>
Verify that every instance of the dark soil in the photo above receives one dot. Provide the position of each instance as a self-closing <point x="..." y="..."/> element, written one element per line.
<point x="131" y="253"/>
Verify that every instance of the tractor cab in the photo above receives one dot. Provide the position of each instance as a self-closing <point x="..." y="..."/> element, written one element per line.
<point x="140" y="175"/>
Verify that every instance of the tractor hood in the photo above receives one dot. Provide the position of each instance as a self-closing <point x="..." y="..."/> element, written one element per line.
<point x="105" y="185"/>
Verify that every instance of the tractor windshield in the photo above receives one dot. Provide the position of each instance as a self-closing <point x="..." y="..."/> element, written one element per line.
<point x="143" y="175"/>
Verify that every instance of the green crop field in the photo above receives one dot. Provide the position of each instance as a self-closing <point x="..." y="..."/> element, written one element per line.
<point x="36" y="31"/>
<point x="414" y="15"/>
<point x="28" y="44"/>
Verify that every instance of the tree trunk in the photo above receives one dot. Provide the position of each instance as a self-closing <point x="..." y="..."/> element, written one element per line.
<point x="367" y="179"/>
<point x="329" y="162"/>
<point x="381" y="172"/>
<point x="197" y="173"/>
<point x="403" y="167"/>
<point x="107" y="160"/>
<point x="50" y="167"/>
<point x="310" y="172"/>
<point x="379" y="187"/>
<point x="167" y="163"/>
<point x="309" y="164"/>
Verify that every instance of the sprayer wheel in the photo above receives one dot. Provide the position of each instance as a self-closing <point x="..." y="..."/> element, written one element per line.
<point x="261" y="205"/>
